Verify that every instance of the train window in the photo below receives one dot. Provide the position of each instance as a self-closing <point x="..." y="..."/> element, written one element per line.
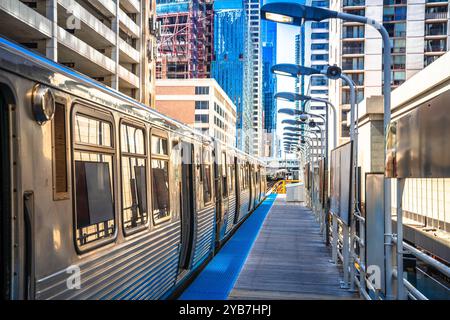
<point x="159" y="145"/>
<point x="93" y="158"/>
<point x="207" y="191"/>
<point x="134" y="177"/>
<point x="244" y="177"/>
<point x="60" y="185"/>
<point x="92" y="131"/>
<point x="224" y="176"/>
<point x="232" y="178"/>
<point x="160" y="172"/>
<point x="160" y="179"/>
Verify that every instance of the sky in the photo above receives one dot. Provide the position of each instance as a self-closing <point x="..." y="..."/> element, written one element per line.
<point x="285" y="54"/>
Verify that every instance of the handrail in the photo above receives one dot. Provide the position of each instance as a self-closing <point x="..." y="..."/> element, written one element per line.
<point x="425" y="258"/>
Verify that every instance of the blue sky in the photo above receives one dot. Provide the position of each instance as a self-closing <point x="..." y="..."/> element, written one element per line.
<point x="285" y="54"/>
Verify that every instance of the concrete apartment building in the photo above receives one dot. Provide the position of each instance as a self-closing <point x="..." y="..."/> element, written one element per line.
<point x="312" y="51"/>
<point x="199" y="103"/>
<point x="113" y="42"/>
<point x="419" y="31"/>
<point x="255" y="73"/>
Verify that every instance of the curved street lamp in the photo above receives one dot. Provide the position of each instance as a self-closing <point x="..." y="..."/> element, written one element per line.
<point x="292" y="97"/>
<point x="297" y="14"/>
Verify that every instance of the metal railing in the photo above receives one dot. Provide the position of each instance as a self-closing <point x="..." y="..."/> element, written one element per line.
<point x="436" y="15"/>
<point x="354" y="3"/>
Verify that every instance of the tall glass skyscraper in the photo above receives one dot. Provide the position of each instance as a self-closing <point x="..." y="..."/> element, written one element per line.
<point x="229" y="66"/>
<point x="269" y="51"/>
<point x="311" y="50"/>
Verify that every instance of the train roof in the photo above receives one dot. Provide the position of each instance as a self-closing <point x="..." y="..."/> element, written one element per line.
<point x="15" y="58"/>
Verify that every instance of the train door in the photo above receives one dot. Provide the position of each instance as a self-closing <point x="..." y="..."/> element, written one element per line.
<point x="5" y="197"/>
<point x="187" y="204"/>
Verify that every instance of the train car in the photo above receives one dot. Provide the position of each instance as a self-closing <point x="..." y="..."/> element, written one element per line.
<point x="102" y="197"/>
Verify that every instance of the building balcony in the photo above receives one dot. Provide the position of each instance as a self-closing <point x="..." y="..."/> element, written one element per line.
<point x="436" y="33"/>
<point x="436" y="16"/>
<point x="347" y="35"/>
<point x="352" y="51"/>
<point x="106" y="7"/>
<point x="394" y="2"/>
<point x="354" y="3"/>
<point x="436" y="1"/>
<point x="132" y="6"/>
<point x="353" y="66"/>
<point x="435" y="48"/>
<point x="128" y="25"/>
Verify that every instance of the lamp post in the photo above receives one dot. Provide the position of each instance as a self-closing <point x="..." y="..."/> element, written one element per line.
<point x="292" y="139"/>
<point x="294" y="70"/>
<point x="297" y="14"/>
<point x="298" y="97"/>
<point x="292" y="97"/>
<point x="334" y="72"/>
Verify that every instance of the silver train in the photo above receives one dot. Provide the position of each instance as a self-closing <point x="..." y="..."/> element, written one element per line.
<point x="103" y="198"/>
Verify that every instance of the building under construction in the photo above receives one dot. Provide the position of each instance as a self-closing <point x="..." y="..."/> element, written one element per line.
<point x="185" y="47"/>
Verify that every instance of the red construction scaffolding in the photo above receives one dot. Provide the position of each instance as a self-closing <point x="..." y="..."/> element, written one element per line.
<point x="185" y="47"/>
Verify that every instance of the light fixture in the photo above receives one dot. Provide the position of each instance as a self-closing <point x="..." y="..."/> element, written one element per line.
<point x="43" y="104"/>
<point x="281" y="18"/>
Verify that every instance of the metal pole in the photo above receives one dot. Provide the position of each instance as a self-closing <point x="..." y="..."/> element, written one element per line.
<point x="325" y="182"/>
<point x="400" y="285"/>
<point x="352" y="224"/>
<point x="386" y="121"/>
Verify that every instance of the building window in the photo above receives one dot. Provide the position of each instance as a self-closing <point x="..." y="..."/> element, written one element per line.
<point x="398" y="45"/>
<point x="319" y="92"/>
<point x="323" y="35"/>
<point x="358" y="78"/>
<point x="436" y="29"/>
<point x="394" y="2"/>
<point x="201" y="105"/>
<point x="396" y="30"/>
<point x="430" y="59"/>
<point x="436" y="12"/>
<point x="319" y="81"/>
<point x="353" y="48"/>
<point x="435" y="45"/>
<point x="353" y="32"/>
<point x="134" y="177"/>
<point x="315" y="57"/>
<point x="346" y="96"/>
<point x="319" y="25"/>
<point x="394" y="13"/>
<point x="398" y="77"/>
<point x="353" y="63"/>
<point x="399" y="62"/>
<point x="160" y="179"/>
<point x="319" y="46"/>
<point x="201" y="90"/>
<point x="202" y="118"/>
<point x="93" y="161"/>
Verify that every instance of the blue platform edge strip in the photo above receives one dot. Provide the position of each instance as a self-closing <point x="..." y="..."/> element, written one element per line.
<point x="217" y="280"/>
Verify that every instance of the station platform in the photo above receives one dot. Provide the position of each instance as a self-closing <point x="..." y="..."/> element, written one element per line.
<point x="278" y="253"/>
